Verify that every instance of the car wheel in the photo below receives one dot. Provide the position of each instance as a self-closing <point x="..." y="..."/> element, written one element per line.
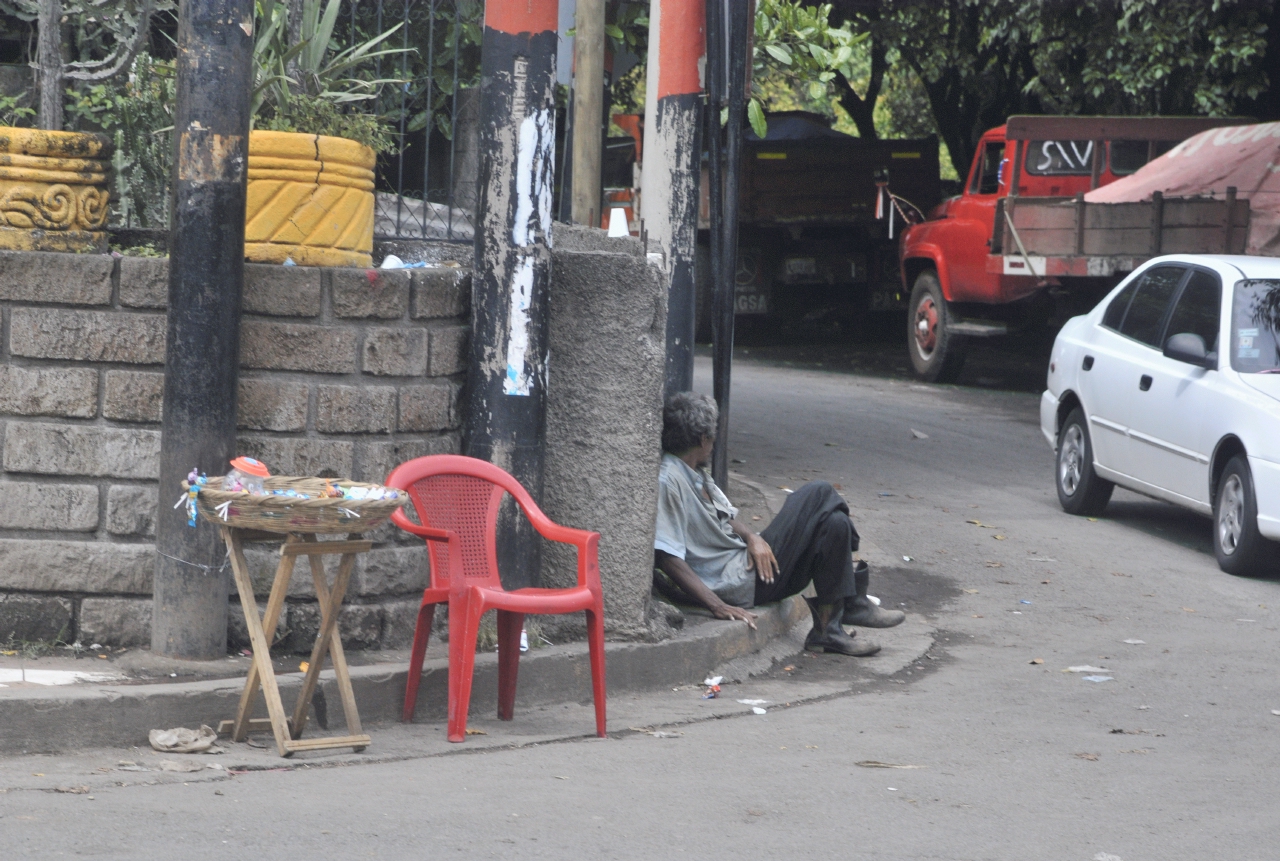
<point x="1239" y="546"/>
<point x="936" y="353"/>
<point x="1080" y="489"/>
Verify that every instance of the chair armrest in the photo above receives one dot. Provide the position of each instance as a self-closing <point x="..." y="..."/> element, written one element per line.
<point x="399" y="519"/>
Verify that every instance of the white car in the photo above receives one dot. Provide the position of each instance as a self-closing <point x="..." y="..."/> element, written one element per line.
<point x="1171" y="387"/>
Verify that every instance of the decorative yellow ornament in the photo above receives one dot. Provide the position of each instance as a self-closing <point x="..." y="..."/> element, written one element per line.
<point x="310" y="200"/>
<point x="53" y="190"/>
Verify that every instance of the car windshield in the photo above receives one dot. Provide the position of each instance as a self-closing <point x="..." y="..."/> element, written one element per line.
<point x="1255" y="327"/>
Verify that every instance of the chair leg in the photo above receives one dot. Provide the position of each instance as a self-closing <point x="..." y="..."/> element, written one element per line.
<point x="421" y="634"/>
<point x="595" y="642"/>
<point x="464" y="625"/>
<point x="509" y="625"/>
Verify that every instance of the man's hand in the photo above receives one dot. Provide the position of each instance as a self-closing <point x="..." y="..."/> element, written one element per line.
<point x="762" y="558"/>
<point x="728" y="611"/>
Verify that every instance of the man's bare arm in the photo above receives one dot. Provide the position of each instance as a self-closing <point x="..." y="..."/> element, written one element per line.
<point x="682" y="575"/>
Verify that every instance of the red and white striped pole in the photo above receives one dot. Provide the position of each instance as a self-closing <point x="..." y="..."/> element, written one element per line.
<point x="669" y="198"/>
<point x="507" y="373"/>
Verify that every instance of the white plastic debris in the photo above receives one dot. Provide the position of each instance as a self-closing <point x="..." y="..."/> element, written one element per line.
<point x="758" y="710"/>
<point x="712" y="681"/>
<point x="1136" y="642"/>
<point x="753" y="702"/>
<point x="1099" y="679"/>
<point x="919" y="434"/>
<point x="391" y="261"/>
<point x="618" y="222"/>
<point x="183" y="740"/>
<point x="1087" y="669"/>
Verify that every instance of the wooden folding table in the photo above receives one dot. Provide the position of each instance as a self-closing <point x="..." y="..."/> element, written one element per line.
<point x="288" y="733"/>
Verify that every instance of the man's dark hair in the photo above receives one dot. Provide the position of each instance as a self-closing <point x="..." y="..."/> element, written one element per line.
<point x="686" y="418"/>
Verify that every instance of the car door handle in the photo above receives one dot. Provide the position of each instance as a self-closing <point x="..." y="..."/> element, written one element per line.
<point x="1144" y="384"/>
<point x="1088" y="363"/>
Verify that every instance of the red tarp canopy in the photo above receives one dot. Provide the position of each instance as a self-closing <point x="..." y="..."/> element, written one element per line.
<point x="1204" y="165"/>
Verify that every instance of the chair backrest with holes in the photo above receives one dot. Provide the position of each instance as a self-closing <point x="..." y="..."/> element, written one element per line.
<point x="462" y="495"/>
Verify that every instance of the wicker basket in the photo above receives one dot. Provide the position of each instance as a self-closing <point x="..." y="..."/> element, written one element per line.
<point x="271" y="513"/>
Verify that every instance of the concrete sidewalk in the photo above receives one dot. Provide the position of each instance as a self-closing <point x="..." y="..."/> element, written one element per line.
<point x="51" y="719"/>
<point x="37" y="719"/>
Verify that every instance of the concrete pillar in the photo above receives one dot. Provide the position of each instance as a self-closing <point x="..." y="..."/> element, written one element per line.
<point x="604" y="415"/>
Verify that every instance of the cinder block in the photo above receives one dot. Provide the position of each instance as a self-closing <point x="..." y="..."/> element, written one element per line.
<point x="272" y="405"/>
<point x="429" y="407"/>
<point x="441" y="291"/>
<point x="398" y="621"/>
<point x="281" y="291"/>
<point x="356" y="409"/>
<point x="144" y="282"/>
<point x="238" y="632"/>
<point x="448" y="349"/>
<point x="116" y="621"/>
<point x="48" y="391"/>
<point x="359" y="626"/>
<point x="42" y="276"/>
<point x="34" y="618"/>
<point x="395" y="352"/>
<point x="131" y="510"/>
<point x="391" y="571"/>
<point x="87" y="336"/>
<point x="50" y="449"/>
<point x="76" y="566"/>
<point x="297" y="347"/>
<point x="377" y="459"/>
<point x="36" y="505"/>
<point x="133" y="396"/>
<point x="381" y="294"/>
<point x="294" y="456"/>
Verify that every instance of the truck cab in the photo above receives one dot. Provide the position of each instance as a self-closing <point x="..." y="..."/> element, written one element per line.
<point x="962" y="282"/>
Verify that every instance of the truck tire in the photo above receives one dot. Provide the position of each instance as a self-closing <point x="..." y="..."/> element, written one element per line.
<point x="1240" y="548"/>
<point x="1080" y="490"/>
<point x="936" y="353"/>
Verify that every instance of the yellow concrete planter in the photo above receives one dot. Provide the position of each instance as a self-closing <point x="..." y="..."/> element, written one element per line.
<point x="310" y="200"/>
<point x="53" y="190"/>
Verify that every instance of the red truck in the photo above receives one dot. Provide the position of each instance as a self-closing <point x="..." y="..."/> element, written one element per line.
<point x="966" y="280"/>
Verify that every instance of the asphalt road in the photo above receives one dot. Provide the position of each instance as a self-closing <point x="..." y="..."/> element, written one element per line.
<point x="1174" y="757"/>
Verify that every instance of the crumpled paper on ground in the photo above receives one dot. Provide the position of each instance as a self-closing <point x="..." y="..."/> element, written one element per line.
<point x="183" y="740"/>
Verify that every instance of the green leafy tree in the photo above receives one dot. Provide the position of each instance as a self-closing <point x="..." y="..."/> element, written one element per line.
<point x="797" y="46"/>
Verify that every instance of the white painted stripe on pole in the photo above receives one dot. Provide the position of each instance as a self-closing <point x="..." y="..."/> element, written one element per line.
<point x="517" y="381"/>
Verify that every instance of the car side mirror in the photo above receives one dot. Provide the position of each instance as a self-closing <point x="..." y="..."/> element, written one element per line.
<point x="1189" y="347"/>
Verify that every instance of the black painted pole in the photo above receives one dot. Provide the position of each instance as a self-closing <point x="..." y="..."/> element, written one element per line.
<point x="735" y="23"/>
<point x="507" y="374"/>
<point x="673" y="105"/>
<point x="715" y="77"/>
<point x="206" y="276"/>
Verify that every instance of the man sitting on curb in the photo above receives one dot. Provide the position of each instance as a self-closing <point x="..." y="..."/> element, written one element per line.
<point x="719" y="563"/>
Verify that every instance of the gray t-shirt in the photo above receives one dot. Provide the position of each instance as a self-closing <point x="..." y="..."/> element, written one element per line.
<point x="695" y="527"/>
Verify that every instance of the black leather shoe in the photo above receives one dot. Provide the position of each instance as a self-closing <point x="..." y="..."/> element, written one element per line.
<point x="861" y="610"/>
<point x="864" y="613"/>
<point x="828" y="636"/>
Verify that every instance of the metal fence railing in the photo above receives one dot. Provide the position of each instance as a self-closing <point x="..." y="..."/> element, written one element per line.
<point x="426" y="188"/>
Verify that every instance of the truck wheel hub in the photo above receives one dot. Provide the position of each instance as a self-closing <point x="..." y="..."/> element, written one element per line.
<point x="926" y="326"/>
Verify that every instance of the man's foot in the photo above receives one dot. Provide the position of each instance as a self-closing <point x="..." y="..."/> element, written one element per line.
<point x="828" y="636"/>
<point x="865" y="613"/>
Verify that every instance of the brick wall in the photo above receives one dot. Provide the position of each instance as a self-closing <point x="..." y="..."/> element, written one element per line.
<point x="342" y="370"/>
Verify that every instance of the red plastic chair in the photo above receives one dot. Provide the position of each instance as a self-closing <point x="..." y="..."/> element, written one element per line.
<point x="457" y="499"/>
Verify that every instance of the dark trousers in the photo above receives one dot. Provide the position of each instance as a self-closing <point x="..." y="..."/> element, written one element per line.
<point x="813" y="540"/>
